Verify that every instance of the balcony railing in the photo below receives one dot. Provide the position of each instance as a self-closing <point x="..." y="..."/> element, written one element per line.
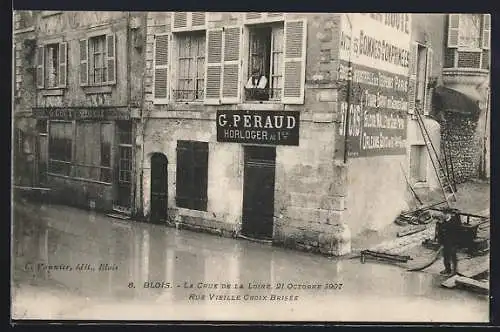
<point x="188" y="95"/>
<point x="266" y="94"/>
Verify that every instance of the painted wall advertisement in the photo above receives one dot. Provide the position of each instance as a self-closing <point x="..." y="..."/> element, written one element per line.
<point x="378" y="47"/>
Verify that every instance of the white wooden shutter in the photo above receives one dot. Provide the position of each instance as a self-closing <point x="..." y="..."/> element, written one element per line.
<point x="111" y="58"/>
<point x="412" y="77"/>
<point x="256" y="17"/>
<point x="453" y="26"/>
<point x="40" y="68"/>
<point x="252" y="16"/>
<point x="180" y="21"/>
<point x="84" y="62"/>
<point x="160" y="68"/>
<point x="428" y="73"/>
<point x="231" y="65"/>
<point x="294" y="61"/>
<point x="486" y="38"/>
<point x="63" y="64"/>
<point x="198" y="20"/>
<point x="213" y="76"/>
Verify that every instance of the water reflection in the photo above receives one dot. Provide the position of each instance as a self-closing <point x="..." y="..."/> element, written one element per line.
<point x="169" y="261"/>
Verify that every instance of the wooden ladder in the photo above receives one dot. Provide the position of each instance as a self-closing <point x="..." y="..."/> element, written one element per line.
<point x="444" y="180"/>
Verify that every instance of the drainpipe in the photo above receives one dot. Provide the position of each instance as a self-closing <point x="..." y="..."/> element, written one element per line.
<point x="348" y="99"/>
<point x="485" y="135"/>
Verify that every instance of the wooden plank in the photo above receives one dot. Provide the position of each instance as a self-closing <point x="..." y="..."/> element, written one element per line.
<point x="450" y="282"/>
<point x="32" y="188"/>
<point x="475" y="270"/>
<point x="411" y="230"/>
<point x="478" y="286"/>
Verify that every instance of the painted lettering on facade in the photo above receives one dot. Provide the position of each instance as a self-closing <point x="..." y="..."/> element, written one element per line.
<point x="81" y="113"/>
<point x="258" y="127"/>
<point x="377" y="45"/>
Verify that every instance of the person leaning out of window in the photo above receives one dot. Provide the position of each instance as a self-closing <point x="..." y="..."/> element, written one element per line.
<point x="256" y="85"/>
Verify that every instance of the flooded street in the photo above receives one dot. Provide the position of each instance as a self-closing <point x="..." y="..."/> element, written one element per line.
<point x="74" y="264"/>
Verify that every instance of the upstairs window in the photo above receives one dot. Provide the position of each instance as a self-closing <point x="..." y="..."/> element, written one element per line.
<point x="98" y="60"/>
<point x="98" y="68"/>
<point x="420" y="68"/>
<point x="191" y="66"/>
<point x="468" y="41"/>
<point x="51" y="65"/>
<point x="469" y="32"/>
<point x="265" y="81"/>
<point x="23" y="19"/>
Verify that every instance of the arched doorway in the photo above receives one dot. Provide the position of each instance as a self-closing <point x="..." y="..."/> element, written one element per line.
<point x="159" y="188"/>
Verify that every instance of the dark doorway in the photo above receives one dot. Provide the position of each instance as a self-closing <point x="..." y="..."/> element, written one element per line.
<point x="258" y="192"/>
<point x="159" y="189"/>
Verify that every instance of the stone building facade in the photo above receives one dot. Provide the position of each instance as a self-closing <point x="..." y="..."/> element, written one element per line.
<point x="224" y="173"/>
<point x="191" y="134"/>
<point x="78" y="78"/>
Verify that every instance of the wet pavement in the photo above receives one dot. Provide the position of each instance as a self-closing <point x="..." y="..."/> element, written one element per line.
<point x="75" y="264"/>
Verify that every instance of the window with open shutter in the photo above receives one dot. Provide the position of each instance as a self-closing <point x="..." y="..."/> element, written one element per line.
<point x="231" y="69"/>
<point x="40" y="71"/>
<point x="84" y="62"/>
<point x="63" y="64"/>
<point x="486" y="35"/>
<point x="428" y="74"/>
<point x="111" y="58"/>
<point x="213" y="75"/>
<point x="192" y="175"/>
<point x="412" y="77"/>
<point x="453" y="27"/>
<point x="294" y="61"/>
<point x="160" y="65"/>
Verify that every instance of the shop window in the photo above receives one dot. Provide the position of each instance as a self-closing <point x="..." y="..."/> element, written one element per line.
<point x="125" y="166"/>
<point x="93" y="151"/>
<point x="124" y="132"/>
<point x="191" y="66"/>
<point x="265" y="61"/>
<point x="418" y="163"/>
<point x="60" y="147"/>
<point x="98" y="60"/>
<point x="124" y="129"/>
<point x="42" y="126"/>
<point x="192" y="175"/>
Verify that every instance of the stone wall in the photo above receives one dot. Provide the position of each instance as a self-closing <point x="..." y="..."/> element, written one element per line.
<point x="463" y="144"/>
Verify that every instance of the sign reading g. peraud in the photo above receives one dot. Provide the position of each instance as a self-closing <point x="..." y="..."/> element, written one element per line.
<point x="258" y="127"/>
<point x="378" y="46"/>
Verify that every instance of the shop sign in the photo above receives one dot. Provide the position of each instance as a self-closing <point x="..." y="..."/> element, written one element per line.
<point x="258" y="127"/>
<point x="61" y="113"/>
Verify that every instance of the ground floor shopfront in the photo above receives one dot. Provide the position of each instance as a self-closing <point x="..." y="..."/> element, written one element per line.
<point x="86" y="156"/>
<point x="262" y="175"/>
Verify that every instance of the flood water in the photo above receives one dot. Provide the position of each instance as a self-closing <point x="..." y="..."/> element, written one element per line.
<point x="75" y="264"/>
